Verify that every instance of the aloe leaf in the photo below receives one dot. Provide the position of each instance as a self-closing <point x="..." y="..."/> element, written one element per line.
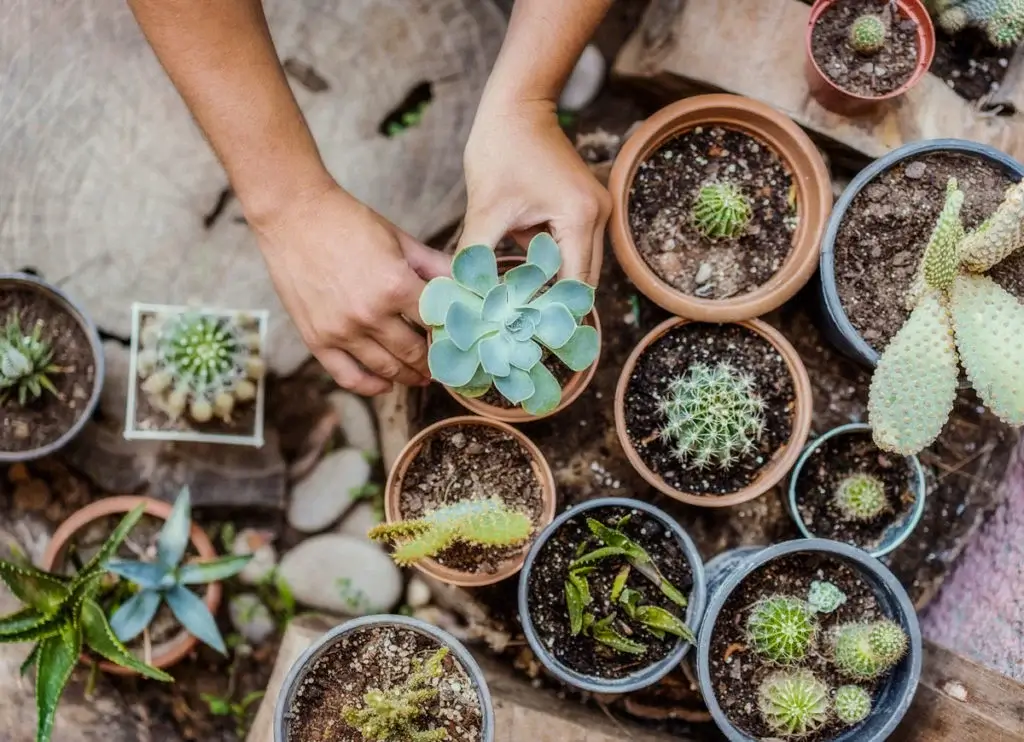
<point x="659" y="619"/>
<point x="26" y="618"/>
<point x="603" y="632"/>
<point x="37" y="589"/>
<point x="193" y="614"/>
<point x="475" y="268"/>
<point x="173" y="539"/>
<point x="523" y="282"/>
<point x="629" y="600"/>
<point x="574" y="602"/>
<point x="580" y="351"/>
<point x="111" y="545"/>
<point x="200" y="573"/>
<point x="49" y="626"/>
<point x="597" y="555"/>
<point x="144" y="574"/>
<point x="620" y="582"/>
<point x="612" y="537"/>
<point x="577" y="297"/>
<point x="547" y="394"/>
<point x="134" y="615"/>
<point x="669" y="591"/>
<point x="543" y="252"/>
<point x="516" y="387"/>
<point x="100" y="638"/>
<point x="30" y="661"/>
<point x="58" y="655"/>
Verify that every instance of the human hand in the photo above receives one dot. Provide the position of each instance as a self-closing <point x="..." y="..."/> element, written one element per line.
<point x="524" y="176"/>
<point x="351" y="282"/>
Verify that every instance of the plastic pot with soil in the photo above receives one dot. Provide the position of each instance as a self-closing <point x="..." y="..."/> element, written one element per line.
<point x="876" y="236"/>
<point x="844" y="488"/>
<point x="611" y="595"/>
<point x="713" y="415"/>
<point x="465" y="499"/>
<point x="863" y="52"/>
<point x="51" y="368"/>
<point x="718" y="206"/>
<point x="811" y="640"/>
<point x="402" y="676"/>
<point x="508" y="339"/>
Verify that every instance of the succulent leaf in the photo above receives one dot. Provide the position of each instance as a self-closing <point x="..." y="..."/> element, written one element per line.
<point x="544" y="253"/>
<point x="25" y="362"/>
<point x="15" y="623"/>
<point x="547" y="393"/>
<point x="577" y="297"/>
<point x="523" y="282"/>
<point x="57" y="658"/>
<point x="100" y="638"/>
<point x="657" y="618"/>
<point x="475" y="268"/>
<point x="580" y="351"/>
<point x="438" y="297"/>
<point x="214" y="570"/>
<point x="478" y="386"/>
<point x="35" y="588"/>
<point x="824" y="597"/>
<point x="451" y="366"/>
<point x="941" y="257"/>
<point x="794" y="703"/>
<point x="147" y="575"/>
<point x="194" y="616"/>
<point x="556" y="327"/>
<point x="517" y="387"/>
<point x="133" y="616"/>
<point x="466" y="327"/>
<point x="606" y="634"/>
<point x="496" y="356"/>
<point x="526" y="355"/>
<point x="496" y="307"/>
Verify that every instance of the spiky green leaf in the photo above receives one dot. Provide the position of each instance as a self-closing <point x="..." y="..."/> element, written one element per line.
<point x="37" y="589"/>
<point x="221" y="568"/>
<point x="173" y="538"/>
<point x="112" y="544"/>
<point x="657" y="618"/>
<point x="57" y="657"/>
<point x="100" y="638"/>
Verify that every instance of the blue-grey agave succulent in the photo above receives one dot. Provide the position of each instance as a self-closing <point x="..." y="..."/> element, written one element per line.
<point x="490" y="329"/>
<point x="166" y="578"/>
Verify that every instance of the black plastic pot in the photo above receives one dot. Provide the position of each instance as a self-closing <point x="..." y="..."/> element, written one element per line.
<point x="835" y="325"/>
<point x="298" y="671"/>
<point x="726" y="571"/>
<point x="642" y="677"/>
<point x="26" y="282"/>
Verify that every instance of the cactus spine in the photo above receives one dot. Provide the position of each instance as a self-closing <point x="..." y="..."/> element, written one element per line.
<point x="794" y="703"/>
<point x="867" y="34"/>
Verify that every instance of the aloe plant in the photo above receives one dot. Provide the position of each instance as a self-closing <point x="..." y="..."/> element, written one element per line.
<point x="25" y="362"/>
<point x="491" y="330"/>
<point x="62" y="616"/>
<point x="166" y="580"/>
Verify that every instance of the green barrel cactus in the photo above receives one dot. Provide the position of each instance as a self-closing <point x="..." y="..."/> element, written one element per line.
<point x="712" y="415"/>
<point x="721" y="211"/>
<point x="1001" y="20"/>
<point x="867" y="34"/>
<point x="861" y="497"/>
<point x="782" y="628"/>
<point x="25" y="362"/>
<point x="492" y="330"/>
<point x="852" y="704"/>
<point x="864" y="651"/>
<point x="794" y="703"/>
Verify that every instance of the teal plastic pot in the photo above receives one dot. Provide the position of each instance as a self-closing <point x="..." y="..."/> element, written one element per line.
<point x="899" y="531"/>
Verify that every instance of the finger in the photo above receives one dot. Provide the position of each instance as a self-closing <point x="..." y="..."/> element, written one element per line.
<point x="483" y="228"/>
<point x="383" y="363"/>
<point x="597" y="256"/>
<point x="349" y="375"/>
<point x="427" y="262"/>
<point x="407" y="298"/>
<point x="398" y="338"/>
<point x="523" y="236"/>
<point x="577" y="243"/>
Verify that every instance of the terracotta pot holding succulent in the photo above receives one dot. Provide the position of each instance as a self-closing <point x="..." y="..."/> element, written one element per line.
<point x="507" y="341"/>
<point x="846" y="489"/>
<point x="152" y="608"/>
<point x="808" y="638"/>
<point x="51" y="368"/>
<point x="861" y="53"/>
<point x="405" y="680"/>
<point x="611" y="595"/>
<point x="464" y="500"/>
<point x="198" y="375"/>
<point x="713" y="415"/>
<point x="718" y="206"/>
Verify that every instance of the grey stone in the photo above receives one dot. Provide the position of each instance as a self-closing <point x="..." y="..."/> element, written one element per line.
<point x="329" y="491"/>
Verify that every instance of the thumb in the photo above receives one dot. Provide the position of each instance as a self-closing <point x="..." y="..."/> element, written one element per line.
<point x="426" y="261"/>
<point x="483" y="228"/>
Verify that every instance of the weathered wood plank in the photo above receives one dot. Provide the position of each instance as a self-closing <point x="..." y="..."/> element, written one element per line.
<point x="756" y="48"/>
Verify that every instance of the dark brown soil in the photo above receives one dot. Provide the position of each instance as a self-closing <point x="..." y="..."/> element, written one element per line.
<point x="549" y="612"/>
<point x="662" y="196"/>
<point x="668" y="358"/>
<point x="969" y="64"/>
<point x="44" y="420"/>
<point x="863" y="74"/>
<point x="736" y="671"/>
<point x="833" y="461"/>
<point x="380" y="658"/>
<point x="472" y="462"/>
<point x="886" y="229"/>
<point x="558" y="369"/>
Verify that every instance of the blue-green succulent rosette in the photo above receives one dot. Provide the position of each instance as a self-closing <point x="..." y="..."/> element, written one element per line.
<point x="490" y="330"/>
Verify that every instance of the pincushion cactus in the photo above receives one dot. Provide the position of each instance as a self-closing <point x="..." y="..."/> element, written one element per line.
<point x="782" y="628"/>
<point x="25" y="362"/>
<point x="794" y="703"/>
<point x="712" y="415"/>
<point x="475" y="522"/>
<point x="1002" y="20"/>
<point x="867" y="34"/>
<point x="954" y="309"/>
<point x="492" y="330"/>
<point x="864" y="651"/>
<point x="200" y="362"/>
<point x="852" y="704"/>
<point x="861" y="497"/>
<point x="721" y="211"/>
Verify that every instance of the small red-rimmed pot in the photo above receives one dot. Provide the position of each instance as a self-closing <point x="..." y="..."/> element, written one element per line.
<point x="783" y="459"/>
<point x="167" y="653"/>
<point x="844" y="102"/>
<point x="573" y="388"/>
<point x="541" y="469"/>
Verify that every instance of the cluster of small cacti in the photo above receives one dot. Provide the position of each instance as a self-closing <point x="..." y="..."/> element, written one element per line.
<point x="475" y="522"/>
<point x="394" y="714"/>
<point x="1001" y="20"/>
<point x="712" y="415"/>
<point x="25" y="362"/>
<point x="200" y="363"/>
<point x="865" y="651"/>
<point x="957" y="316"/>
<point x="867" y="34"/>
<point x="721" y="211"/>
<point x="861" y="497"/>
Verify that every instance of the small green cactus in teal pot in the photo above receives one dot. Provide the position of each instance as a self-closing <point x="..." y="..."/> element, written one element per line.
<point x="852" y="704"/>
<point x="794" y="702"/>
<point x="861" y="497"/>
<point x="721" y="211"/>
<point x="867" y="34"/>
<point x="864" y="651"/>
<point x="782" y="628"/>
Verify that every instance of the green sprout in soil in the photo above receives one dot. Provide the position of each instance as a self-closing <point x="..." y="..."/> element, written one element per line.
<point x="782" y="628"/>
<point x="861" y="497"/>
<point x="867" y="34"/>
<point x="475" y="522"/>
<point x="393" y="714"/>
<point x="864" y="651"/>
<point x="25" y="363"/>
<point x="852" y="704"/>
<point x="721" y="211"/>
<point x="794" y="702"/>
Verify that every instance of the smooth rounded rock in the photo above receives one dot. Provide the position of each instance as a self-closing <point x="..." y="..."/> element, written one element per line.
<point x="260" y="544"/>
<point x="329" y="491"/>
<point x="359" y="520"/>
<point x="355" y="420"/>
<point x="585" y="81"/>
<point x="251" y="618"/>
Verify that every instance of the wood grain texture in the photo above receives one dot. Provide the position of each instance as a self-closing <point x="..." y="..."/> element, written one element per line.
<point x="679" y="49"/>
<point x="106" y="182"/>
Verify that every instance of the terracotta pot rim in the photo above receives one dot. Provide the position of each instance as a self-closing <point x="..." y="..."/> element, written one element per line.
<point x="574" y="387"/>
<point x="913" y="10"/>
<point x="773" y="472"/>
<point x="774" y="130"/>
<point x="183" y="643"/>
<point x="541" y="468"/>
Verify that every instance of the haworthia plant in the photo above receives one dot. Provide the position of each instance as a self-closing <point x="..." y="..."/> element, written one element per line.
<point x="491" y="330"/>
<point x="954" y="309"/>
<point x="25" y="362"/>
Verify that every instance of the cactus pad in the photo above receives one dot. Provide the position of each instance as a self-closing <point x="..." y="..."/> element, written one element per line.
<point x="782" y="628"/>
<point x="852" y="704"/>
<point x="867" y="34"/>
<point x="721" y="211"/>
<point x="941" y="262"/>
<point x="794" y="703"/>
<point x="861" y="497"/>
<point x="1001" y="234"/>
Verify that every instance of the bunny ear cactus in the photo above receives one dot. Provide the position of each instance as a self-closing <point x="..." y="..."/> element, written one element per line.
<point x="25" y="362"/>
<point x="493" y="330"/>
<point x="62" y="616"/>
